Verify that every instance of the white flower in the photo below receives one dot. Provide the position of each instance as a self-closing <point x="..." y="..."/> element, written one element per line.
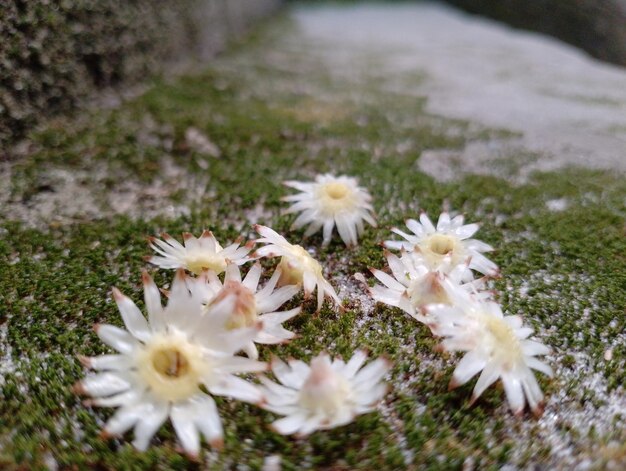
<point x="162" y="364"/>
<point x="297" y="267"/>
<point x="251" y="306"/>
<point x="198" y="254"/>
<point x="445" y="246"/>
<point x="414" y="285"/>
<point x="498" y="346"/>
<point x="331" y="201"/>
<point x="326" y="394"/>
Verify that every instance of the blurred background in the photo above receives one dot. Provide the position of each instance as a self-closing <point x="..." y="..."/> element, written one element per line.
<point x="54" y="54"/>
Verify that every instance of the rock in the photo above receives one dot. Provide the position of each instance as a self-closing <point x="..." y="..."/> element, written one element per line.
<point x="598" y="27"/>
<point x="200" y="143"/>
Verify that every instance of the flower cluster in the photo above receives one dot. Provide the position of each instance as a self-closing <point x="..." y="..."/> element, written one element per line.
<point x="171" y="363"/>
<point x="433" y="281"/>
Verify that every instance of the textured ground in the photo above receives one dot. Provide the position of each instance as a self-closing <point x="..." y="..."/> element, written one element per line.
<point x="310" y="94"/>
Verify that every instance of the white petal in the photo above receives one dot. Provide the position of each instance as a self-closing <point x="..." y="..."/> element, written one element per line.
<point x="183" y="419"/>
<point x="124" y="418"/>
<point x="469" y="366"/>
<point x="312" y="423"/>
<point x="387" y="280"/>
<point x="428" y="226"/>
<point x="290" y="424"/>
<point x="109" y="362"/>
<point x="251" y="280"/>
<point x="443" y="224"/>
<point x="117" y="338"/>
<point x="237" y="388"/>
<point x="489" y="375"/>
<point x="532" y="348"/>
<point x="328" y="231"/>
<point x="133" y="318"/>
<point x="466" y="231"/>
<point x="277" y="298"/>
<point x="105" y="384"/>
<point x="292" y="375"/>
<point x="535" y="364"/>
<point x="483" y="265"/>
<point x="309" y="281"/>
<point x="207" y="418"/>
<point x="370" y="396"/>
<point x="151" y="420"/>
<point x="514" y="392"/>
<point x="373" y="372"/>
<point x="128" y="397"/>
<point x="152" y="299"/>
<point x="233" y="273"/>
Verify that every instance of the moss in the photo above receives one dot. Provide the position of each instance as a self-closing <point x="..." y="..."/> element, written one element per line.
<point x="563" y="271"/>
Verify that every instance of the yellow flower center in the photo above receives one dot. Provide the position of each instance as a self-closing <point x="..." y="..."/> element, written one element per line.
<point x="293" y="266"/>
<point x="244" y="312"/>
<point x="172" y="367"/>
<point x="197" y="262"/>
<point x="170" y="362"/>
<point x="335" y="197"/>
<point x="437" y="246"/>
<point x="336" y="190"/>
<point x="504" y="343"/>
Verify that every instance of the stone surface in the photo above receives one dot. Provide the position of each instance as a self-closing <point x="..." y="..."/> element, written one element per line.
<point x="559" y="106"/>
<point x="54" y="54"/>
<point x="599" y="27"/>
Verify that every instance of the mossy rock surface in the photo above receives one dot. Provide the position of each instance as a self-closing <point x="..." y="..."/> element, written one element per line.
<point x="55" y="55"/>
<point x="210" y="151"/>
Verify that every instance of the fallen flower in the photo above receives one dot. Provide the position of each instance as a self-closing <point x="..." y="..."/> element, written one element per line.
<point x="197" y="254"/>
<point x="163" y="363"/>
<point x="326" y="394"/>
<point x="296" y="265"/>
<point x="331" y="201"/>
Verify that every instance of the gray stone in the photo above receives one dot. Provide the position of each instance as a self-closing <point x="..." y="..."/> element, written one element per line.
<point x="597" y="26"/>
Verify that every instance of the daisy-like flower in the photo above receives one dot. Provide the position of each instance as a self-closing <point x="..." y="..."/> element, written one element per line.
<point x="414" y="286"/>
<point x="197" y="254"/>
<point x="445" y="246"/>
<point x="296" y="266"/>
<point x="498" y="346"/>
<point x="163" y="363"/>
<point x="325" y="395"/>
<point x="330" y="201"/>
<point x="251" y="306"/>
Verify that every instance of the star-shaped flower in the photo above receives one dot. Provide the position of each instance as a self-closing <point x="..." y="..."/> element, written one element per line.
<point x="251" y="304"/>
<point x="326" y="394"/>
<point x="414" y="286"/>
<point x="296" y="266"/>
<point x="197" y="254"/>
<point x="446" y="246"/>
<point x="331" y="201"/>
<point x="164" y="362"/>
<point x="497" y="345"/>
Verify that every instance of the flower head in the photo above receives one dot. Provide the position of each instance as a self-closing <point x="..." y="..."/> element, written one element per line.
<point x="330" y="201"/>
<point x="413" y="285"/>
<point x="251" y="305"/>
<point x="297" y="267"/>
<point x="197" y="254"/>
<point x="326" y="394"/>
<point x="163" y="363"/>
<point x="445" y="246"/>
<point x="498" y="346"/>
